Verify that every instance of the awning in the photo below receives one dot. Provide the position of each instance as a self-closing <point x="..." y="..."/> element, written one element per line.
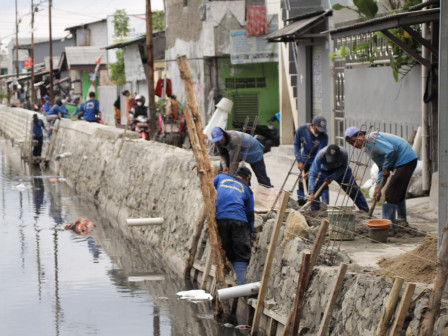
<point x="400" y="20"/>
<point x="403" y="19"/>
<point x="300" y="28"/>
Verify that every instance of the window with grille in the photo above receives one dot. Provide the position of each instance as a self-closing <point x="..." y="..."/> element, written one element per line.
<point x="245" y="83"/>
<point x="245" y="105"/>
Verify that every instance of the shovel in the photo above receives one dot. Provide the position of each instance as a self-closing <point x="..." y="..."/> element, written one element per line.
<point x="316" y="195"/>
<point x="382" y="183"/>
<point x="305" y="188"/>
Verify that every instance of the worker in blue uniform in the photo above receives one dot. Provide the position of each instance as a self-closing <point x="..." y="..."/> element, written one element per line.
<point x="309" y="139"/>
<point x="234" y="147"/>
<point x="91" y="108"/>
<point x="391" y="154"/>
<point x="331" y="164"/>
<point x="235" y="218"/>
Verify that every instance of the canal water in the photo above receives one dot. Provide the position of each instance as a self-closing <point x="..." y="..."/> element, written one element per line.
<point x="57" y="282"/>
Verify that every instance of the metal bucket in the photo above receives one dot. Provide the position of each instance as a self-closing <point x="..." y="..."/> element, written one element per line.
<point x="342" y="223"/>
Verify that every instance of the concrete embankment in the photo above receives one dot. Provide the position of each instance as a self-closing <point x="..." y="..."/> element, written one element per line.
<point x="150" y="179"/>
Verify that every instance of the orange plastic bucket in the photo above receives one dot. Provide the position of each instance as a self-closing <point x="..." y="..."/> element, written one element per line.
<point x="379" y="223"/>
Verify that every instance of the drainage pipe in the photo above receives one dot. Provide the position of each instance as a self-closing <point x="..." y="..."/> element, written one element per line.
<point x="144" y="221"/>
<point x="238" y="291"/>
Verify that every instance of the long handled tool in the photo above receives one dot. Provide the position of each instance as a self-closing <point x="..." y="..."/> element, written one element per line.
<point x="305" y="188"/>
<point x="316" y="195"/>
<point x="382" y="183"/>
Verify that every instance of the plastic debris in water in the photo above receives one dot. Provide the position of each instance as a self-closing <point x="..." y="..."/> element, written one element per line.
<point x="228" y="325"/>
<point x="21" y="187"/>
<point x="53" y="179"/>
<point x="243" y="327"/>
<point x="195" y="294"/>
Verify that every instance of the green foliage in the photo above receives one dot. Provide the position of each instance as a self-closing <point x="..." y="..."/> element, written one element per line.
<point x="366" y="9"/>
<point x="158" y="21"/>
<point x="400" y="62"/>
<point x="117" y="74"/>
<point x="121" y="23"/>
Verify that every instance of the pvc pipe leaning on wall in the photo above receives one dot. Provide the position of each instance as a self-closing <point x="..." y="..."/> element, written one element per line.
<point x="238" y="291"/>
<point x="144" y="221"/>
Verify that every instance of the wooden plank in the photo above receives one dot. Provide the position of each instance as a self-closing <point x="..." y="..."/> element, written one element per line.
<point x="434" y="302"/>
<point x="403" y="310"/>
<point x="300" y="294"/>
<point x="333" y="297"/>
<point x="315" y="251"/>
<point x="268" y="264"/>
<point x="195" y="242"/>
<point x="389" y="308"/>
<point x="205" y="274"/>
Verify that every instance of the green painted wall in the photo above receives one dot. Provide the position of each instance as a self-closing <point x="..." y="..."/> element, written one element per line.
<point x="86" y="84"/>
<point x="268" y="96"/>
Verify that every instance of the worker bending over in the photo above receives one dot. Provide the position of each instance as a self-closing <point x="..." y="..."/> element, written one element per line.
<point x="331" y="164"/>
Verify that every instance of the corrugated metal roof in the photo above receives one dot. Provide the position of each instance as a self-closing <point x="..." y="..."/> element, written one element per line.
<point x="388" y="22"/>
<point x="84" y="24"/>
<point x="295" y="29"/>
<point x="84" y="55"/>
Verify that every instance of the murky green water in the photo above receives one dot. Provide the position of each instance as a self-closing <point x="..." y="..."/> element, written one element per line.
<point x="56" y="282"/>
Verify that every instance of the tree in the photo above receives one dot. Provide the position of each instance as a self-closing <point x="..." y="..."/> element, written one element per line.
<point x="121" y="29"/>
<point x="158" y="20"/>
<point x="121" y="23"/>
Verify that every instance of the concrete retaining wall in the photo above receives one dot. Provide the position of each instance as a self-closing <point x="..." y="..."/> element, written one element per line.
<point x="156" y="180"/>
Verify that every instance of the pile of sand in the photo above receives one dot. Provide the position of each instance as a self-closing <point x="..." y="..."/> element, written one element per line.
<point x="419" y="265"/>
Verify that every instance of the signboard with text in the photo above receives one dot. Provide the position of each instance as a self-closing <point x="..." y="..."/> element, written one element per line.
<point x="251" y="49"/>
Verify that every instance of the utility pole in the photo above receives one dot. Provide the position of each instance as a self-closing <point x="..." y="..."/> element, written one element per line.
<point x="33" y="94"/>
<point x="150" y="71"/>
<point x="17" y="44"/>
<point x="51" y="53"/>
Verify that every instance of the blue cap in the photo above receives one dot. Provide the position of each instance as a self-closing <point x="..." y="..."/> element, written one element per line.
<point x="351" y="132"/>
<point x="321" y="123"/>
<point x="46" y="97"/>
<point x="217" y="134"/>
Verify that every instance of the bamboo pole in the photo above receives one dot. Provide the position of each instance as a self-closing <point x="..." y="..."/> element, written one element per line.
<point x="430" y="316"/>
<point x="205" y="173"/>
<point x="389" y="308"/>
<point x="333" y="297"/>
<point x="128" y="123"/>
<point x="268" y="264"/>
<point x="403" y="310"/>
<point x="300" y="294"/>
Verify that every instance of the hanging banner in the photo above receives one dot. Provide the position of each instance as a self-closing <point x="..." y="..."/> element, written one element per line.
<point x="251" y="49"/>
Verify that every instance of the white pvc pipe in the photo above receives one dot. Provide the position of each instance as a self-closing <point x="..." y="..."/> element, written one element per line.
<point x="144" y="221"/>
<point x="238" y="291"/>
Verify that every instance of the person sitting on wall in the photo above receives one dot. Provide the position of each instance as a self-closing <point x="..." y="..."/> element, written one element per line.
<point x="46" y="108"/>
<point x="58" y="111"/>
<point x="235" y="218"/>
<point x="91" y="108"/>
<point x="79" y="107"/>
<point x="331" y="164"/>
<point x="235" y="146"/>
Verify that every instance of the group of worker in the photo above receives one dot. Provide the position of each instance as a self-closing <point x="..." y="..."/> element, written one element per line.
<point x="319" y="164"/>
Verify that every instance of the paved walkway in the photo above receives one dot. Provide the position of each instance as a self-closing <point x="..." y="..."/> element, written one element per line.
<point x="421" y="216"/>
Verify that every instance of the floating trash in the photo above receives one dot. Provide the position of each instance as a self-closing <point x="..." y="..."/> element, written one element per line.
<point x="53" y="179"/>
<point x="243" y="327"/>
<point x="21" y="187"/>
<point x="195" y="294"/>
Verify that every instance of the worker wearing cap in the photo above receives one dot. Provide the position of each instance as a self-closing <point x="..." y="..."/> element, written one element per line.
<point x="234" y="147"/>
<point x="391" y="154"/>
<point x="235" y="218"/>
<point x="47" y="105"/>
<point x="309" y="139"/>
<point x="331" y="164"/>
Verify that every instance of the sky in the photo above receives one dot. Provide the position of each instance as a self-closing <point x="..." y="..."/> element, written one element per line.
<point x="65" y="13"/>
